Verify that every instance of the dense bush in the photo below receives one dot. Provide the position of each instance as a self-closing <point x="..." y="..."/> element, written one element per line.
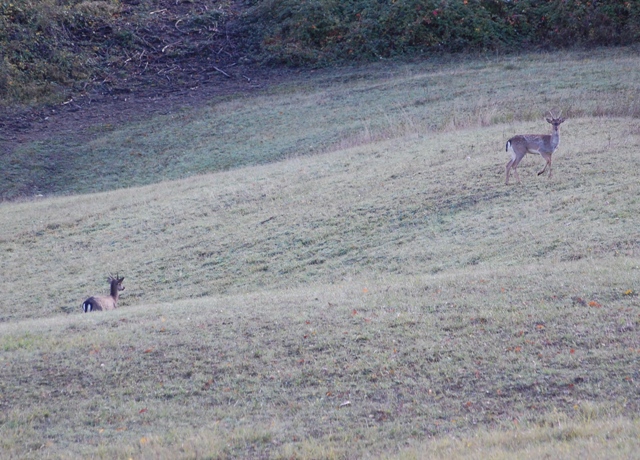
<point x="39" y="44"/>
<point x="47" y="45"/>
<point x="325" y="31"/>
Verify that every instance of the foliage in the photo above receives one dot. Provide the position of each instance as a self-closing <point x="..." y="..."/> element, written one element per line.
<point x="41" y="44"/>
<point x="324" y="31"/>
<point x="50" y="46"/>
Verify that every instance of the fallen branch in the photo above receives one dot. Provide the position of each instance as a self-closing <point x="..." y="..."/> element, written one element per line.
<point x="171" y="44"/>
<point x="176" y="26"/>
<point x="222" y="72"/>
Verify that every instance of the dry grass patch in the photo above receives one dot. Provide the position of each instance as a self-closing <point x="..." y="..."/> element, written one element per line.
<point x="615" y="438"/>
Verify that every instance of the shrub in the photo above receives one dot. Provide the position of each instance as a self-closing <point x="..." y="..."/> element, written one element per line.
<point x="327" y="31"/>
<point x="39" y="42"/>
<point x="48" y="46"/>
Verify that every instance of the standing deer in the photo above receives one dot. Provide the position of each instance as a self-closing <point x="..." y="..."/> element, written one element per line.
<point x="105" y="302"/>
<point x="543" y="144"/>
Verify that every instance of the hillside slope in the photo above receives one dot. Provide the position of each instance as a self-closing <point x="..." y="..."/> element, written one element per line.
<point x="423" y="205"/>
<point x="136" y="141"/>
<point x="360" y="301"/>
<point x="386" y="296"/>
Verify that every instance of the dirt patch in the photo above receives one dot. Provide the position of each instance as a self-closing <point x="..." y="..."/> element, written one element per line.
<point x="116" y="106"/>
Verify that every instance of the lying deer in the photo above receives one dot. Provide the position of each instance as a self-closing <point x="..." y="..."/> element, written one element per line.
<point x="105" y="302"/>
<point x="542" y="144"/>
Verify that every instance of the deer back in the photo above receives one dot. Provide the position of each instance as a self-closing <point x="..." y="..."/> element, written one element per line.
<point x="105" y="302"/>
<point x="534" y="143"/>
<point x="99" y="303"/>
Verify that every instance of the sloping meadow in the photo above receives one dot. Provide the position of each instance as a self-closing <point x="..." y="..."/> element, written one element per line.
<point x="360" y="368"/>
<point x="386" y="297"/>
<point x="324" y="111"/>
<point x="353" y="302"/>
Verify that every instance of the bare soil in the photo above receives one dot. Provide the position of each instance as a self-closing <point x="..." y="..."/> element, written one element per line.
<point x="116" y="106"/>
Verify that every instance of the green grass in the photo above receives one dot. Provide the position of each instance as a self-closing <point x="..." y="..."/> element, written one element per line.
<point x="385" y="298"/>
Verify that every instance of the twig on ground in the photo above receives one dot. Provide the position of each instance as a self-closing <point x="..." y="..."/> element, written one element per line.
<point x="222" y="72"/>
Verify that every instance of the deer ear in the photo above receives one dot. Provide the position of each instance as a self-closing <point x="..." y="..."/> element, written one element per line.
<point x="549" y="120"/>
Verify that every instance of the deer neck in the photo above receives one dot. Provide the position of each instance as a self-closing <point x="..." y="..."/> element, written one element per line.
<point x="555" y="138"/>
<point x="114" y="290"/>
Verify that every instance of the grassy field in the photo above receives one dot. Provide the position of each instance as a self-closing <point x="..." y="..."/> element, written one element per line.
<point x="325" y="111"/>
<point x="377" y="293"/>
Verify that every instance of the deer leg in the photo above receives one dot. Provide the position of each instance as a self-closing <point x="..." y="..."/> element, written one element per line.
<point x="547" y="159"/>
<point x="549" y="165"/>
<point x="508" y="170"/>
<point x="513" y="164"/>
<point x="515" y="173"/>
